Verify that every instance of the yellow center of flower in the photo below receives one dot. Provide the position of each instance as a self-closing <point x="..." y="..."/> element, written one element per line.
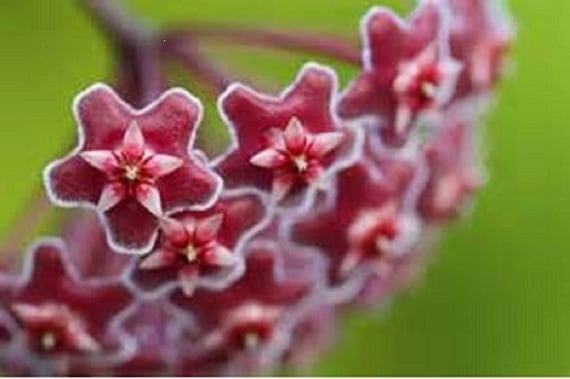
<point x="131" y="172"/>
<point x="300" y="162"/>
<point x="48" y="341"/>
<point x="191" y="253"/>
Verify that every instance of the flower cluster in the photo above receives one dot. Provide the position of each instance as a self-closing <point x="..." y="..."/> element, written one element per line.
<point x="325" y="198"/>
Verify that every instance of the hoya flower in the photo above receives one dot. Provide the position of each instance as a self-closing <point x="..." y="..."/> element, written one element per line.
<point x="324" y="200"/>
<point x="60" y="317"/>
<point x="133" y="166"/>
<point x="454" y="172"/>
<point x="203" y="247"/>
<point x="368" y="226"/>
<point x="407" y="69"/>
<point x="248" y="325"/>
<point x="481" y="35"/>
<point x="284" y="145"/>
<point x="401" y="274"/>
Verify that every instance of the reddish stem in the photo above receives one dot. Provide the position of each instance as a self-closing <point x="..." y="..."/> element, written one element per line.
<point x="139" y="70"/>
<point x="301" y="42"/>
<point x="196" y="63"/>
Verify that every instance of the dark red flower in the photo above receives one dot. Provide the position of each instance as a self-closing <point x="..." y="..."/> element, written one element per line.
<point x="133" y="166"/>
<point x="249" y="323"/>
<point x="481" y="35"/>
<point x="62" y="319"/>
<point x="370" y="223"/>
<point x="407" y="70"/>
<point x="454" y="172"/>
<point x="204" y="248"/>
<point x="288" y="144"/>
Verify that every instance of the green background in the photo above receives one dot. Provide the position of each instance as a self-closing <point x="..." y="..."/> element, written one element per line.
<point x="496" y="299"/>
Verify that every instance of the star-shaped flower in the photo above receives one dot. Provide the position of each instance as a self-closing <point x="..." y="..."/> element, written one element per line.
<point x="249" y="323"/>
<point x="407" y="70"/>
<point x="133" y="166"/>
<point x="454" y="172"/>
<point x="481" y="35"/>
<point x="285" y="145"/>
<point x="203" y="248"/>
<point x="368" y="226"/>
<point x="62" y="319"/>
<point x="295" y="155"/>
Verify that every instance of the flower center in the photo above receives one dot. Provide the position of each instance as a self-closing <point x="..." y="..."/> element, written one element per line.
<point x="131" y="172"/>
<point x="48" y="341"/>
<point x="191" y="253"/>
<point x="418" y="84"/>
<point x="300" y="162"/>
<point x="251" y="340"/>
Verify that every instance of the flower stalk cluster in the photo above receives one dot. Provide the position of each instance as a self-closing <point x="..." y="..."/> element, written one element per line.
<point x="326" y="197"/>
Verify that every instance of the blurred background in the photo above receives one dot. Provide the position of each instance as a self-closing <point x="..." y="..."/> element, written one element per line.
<point x="496" y="299"/>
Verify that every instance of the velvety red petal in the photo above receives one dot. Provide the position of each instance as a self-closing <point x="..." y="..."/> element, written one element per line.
<point x="190" y="185"/>
<point x="385" y="39"/>
<point x="131" y="225"/>
<point x="74" y="180"/>
<point x="170" y="123"/>
<point x="367" y="94"/>
<point x="102" y="115"/>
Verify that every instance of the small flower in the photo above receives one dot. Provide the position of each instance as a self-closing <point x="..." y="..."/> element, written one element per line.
<point x="134" y="165"/>
<point x="378" y="235"/>
<point x="53" y="328"/>
<point x="48" y="304"/>
<point x="288" y="144"/>
<point x="203" y="247"/>
<point x="454" y="174"/>
<point x="481" y="35"/>
<point x="195" y="242"/>
<point x="247" y="323"/>
<point x="132" y="171"/>
<point x="296" y="156"/>
<point x="366" y="226"/>
<point x="250" y="326"/>
<point x="406" y="71"/>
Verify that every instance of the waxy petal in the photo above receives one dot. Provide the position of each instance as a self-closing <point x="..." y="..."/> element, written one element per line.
<point x="161" y="164"/>
<point x="282" y="185"/>
<point x="269" y="158"/>
<point x="295" y="136"/>
<point x="175" y="231"/>
<point x="111" y="195"/>
<point x="85" y="343"/>
<point x="208" y="228"/>
<point x="25" y="311"/>
<point x="149" y="197"/>
<point x="221" y="256"/>
<point x="325" y="143"/>
<point x="188" y="277"/>
<point x="133" y="141"/>
<point x="161" y="258"/>
<point x="102" y="160"/>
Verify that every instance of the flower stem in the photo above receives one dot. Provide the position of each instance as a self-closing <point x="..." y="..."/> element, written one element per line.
<point x="139" y="70"/>
<point x="199" y="65"/>
<point x="293" y="41"/>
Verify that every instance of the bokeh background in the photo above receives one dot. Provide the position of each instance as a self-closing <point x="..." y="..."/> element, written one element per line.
<point x="496" y="299"/>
